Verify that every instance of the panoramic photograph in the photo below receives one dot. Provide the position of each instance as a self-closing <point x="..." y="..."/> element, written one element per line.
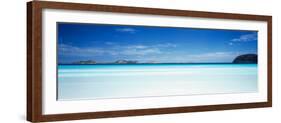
<point x="106" y="61"/>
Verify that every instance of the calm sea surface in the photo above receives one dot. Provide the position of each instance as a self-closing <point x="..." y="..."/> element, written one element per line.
<point x="77" y="82"/>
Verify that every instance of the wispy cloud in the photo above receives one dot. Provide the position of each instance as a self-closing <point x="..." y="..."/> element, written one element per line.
<point x="69" y="50"/>
<point x="230" y="43"/>
<point x="137" y="47"/>
<point x="216" y="54"/>
<point x="166" y="45"/>
<point x="157" y="46"/>
<point x="145" y="49"/>
<point x="114" y="49"/>
<point x="140" y="52"/>
<point x="213" y="57"/>
<point x="145" y="53"/>
<point x="128" y="30"/>
<point x="246" y="38"/>
<point x="192" y="58"/>
<point x="109" y="43"/>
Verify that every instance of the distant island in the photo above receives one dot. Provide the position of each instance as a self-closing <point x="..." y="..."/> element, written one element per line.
<point x="125" y="62"/>
<point x="85" y="62"/>
<point x="116" y="62"/>
<point x="241" y="59"/>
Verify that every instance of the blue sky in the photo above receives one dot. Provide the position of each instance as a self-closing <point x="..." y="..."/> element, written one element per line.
<point x="109" y="43"/>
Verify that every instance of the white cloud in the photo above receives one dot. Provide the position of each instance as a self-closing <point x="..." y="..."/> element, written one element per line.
<point x="147" y="53"/>
<point x="109" y="43"/>
<point x="230" y="43"/>
<point x="127" y="50"/>
<point x="166" y="45"/>
<point x="67" y="48"/>
<point x="213" y="54"/>
<point x="213" y="57"/>
<point x="141" y="52"/>
<point x="129" y="30"/>
<point x="145" y="49"/>
<point x="137" y="47"/>
<point x="246" y="38"/>
<point x="70" y="50"/>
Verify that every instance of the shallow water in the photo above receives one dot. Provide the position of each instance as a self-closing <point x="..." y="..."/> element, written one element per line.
<point x="76" y="82"/>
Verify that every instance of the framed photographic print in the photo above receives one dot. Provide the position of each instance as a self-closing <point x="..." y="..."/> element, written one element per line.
<point x="88" y="61"/>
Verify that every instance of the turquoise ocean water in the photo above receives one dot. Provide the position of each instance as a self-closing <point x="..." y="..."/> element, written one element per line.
<point x="76" y="82"/>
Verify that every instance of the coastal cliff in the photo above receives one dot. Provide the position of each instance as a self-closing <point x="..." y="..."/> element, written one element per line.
<point x="246" y="59"/>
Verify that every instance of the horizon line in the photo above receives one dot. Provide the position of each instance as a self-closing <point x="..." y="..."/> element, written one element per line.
<point x="153" y="63"/>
